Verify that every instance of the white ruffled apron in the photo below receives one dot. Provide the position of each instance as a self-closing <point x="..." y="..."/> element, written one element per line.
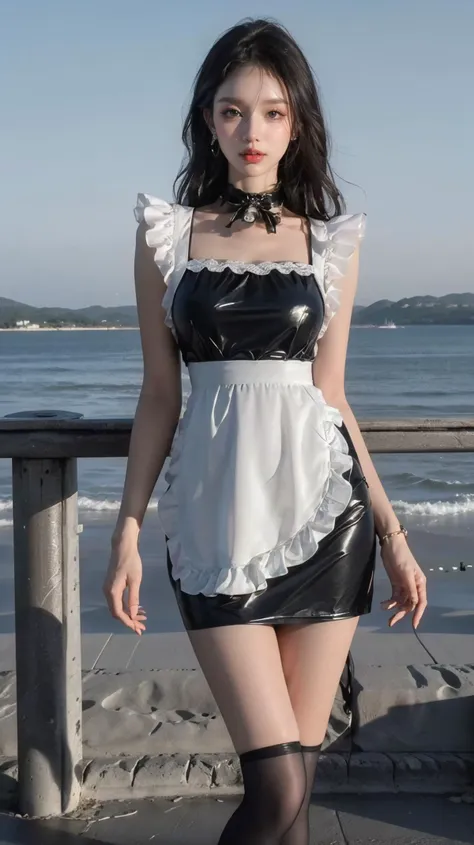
<point x="255" y="475"/>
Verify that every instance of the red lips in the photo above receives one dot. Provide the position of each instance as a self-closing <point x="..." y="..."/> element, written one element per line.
<point x="252" y="156"/>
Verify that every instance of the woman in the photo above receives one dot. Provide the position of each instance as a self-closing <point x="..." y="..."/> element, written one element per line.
<point x="270" y="526"/>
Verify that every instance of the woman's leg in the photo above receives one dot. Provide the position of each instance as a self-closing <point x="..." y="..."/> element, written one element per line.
<point x="299" y="833"/>
<point x="313" y="657"/>
<point x="243" y="667"/>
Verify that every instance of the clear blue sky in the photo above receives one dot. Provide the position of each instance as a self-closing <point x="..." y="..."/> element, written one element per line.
<point x="92" y="108"/>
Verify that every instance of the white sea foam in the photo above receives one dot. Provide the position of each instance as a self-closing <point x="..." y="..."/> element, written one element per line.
<point x="463" y="506"/>
<point x="85" y="503"/>
<point x="5" y="523"/>
<point x="98" y="505"/>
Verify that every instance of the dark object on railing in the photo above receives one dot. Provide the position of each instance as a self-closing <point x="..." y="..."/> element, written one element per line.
<point x="44" y="446"/>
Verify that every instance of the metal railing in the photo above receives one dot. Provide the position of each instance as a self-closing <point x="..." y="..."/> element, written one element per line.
<point x="44" y="448"/>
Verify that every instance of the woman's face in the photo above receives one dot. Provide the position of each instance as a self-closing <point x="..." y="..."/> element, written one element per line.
<point x="251" y="114"/>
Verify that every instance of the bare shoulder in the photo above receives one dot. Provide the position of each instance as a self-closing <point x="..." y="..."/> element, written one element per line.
<point x="294" y="222"/>
<point x="208" y="212"/>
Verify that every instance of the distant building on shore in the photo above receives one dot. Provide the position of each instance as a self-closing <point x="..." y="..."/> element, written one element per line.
<point x="25" y="324"/>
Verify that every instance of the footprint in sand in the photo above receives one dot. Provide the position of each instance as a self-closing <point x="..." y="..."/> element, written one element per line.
<point x="145" y="700"/>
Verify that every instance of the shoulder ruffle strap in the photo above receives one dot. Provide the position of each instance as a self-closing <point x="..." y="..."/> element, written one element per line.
<point x="335" y="243"/>
<point x="159" y="216"/>
<point x="168" y="233"/>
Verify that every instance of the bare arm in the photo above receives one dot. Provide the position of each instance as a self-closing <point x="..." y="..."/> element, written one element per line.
<point x="407" y="579"/>
<point x="159" y="404"/>
<point x="155" y="422"/>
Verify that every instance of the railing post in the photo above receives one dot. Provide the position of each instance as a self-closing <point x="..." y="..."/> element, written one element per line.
<point x="48" y="639"/>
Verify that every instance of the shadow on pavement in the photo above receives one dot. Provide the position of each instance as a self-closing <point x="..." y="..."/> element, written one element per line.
<point x="339" y="820"/>
<point x="401" y="819"/>
<point x="15" y="831"/>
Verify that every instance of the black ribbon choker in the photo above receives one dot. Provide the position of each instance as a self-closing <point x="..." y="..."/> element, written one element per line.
<point x="251" y="207"/>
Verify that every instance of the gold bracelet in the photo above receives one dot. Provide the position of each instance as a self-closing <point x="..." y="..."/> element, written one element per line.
<point x="401" y="530"/>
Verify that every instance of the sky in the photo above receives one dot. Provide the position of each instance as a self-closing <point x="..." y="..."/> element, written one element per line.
<point x="92" y="98"/>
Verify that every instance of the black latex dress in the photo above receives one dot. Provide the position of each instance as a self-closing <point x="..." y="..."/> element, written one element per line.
<point x="234" y="313"/>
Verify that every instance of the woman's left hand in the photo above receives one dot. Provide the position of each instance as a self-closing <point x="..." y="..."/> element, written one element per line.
<point x="407" y="579"/>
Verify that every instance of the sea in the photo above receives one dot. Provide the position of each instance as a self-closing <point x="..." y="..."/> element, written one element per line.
<point x="416" y="371"/>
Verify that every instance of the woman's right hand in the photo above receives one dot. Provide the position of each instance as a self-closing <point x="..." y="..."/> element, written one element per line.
<point x="122" y="585"/>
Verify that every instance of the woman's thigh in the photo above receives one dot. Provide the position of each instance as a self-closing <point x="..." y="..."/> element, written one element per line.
<point x="243" y="667"/>
<point x="313" y="657"/>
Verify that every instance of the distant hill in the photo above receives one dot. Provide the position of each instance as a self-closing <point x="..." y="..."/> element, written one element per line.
<point x="94" y="315"/>
<point x="452" y="309"/>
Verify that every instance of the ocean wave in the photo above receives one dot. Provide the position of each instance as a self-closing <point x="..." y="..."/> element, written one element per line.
<point x="463" y="506"/>
<point x="411" y="480"/>
<point x="85" y="503"/>
<point x="103" y="505"/>
<point x="4" y="523"/>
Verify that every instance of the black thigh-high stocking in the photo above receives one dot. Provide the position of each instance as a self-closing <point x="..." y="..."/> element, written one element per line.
<point x="298" y="834"/>
<point x="274" y="789"/>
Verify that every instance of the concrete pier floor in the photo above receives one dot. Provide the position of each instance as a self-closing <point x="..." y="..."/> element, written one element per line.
<point x="336" y="820"/>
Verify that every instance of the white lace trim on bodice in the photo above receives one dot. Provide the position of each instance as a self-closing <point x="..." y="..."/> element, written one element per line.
<point x="169" y="232"/>
<point x="260" y="268"/>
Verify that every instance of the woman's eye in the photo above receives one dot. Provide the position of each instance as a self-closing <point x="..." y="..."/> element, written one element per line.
<point x="230" y="112"/>
<point x="274" y="113"/>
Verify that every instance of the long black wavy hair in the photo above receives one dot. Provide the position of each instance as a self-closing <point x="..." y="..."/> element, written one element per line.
<point x="304" y="171"/>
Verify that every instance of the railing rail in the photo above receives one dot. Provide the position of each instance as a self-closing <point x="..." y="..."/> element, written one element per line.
<point x="44" y="448"/>
<point x="48" y="437"/>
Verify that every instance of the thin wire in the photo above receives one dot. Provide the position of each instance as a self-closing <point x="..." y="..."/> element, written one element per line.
<point x="423" y="646"/>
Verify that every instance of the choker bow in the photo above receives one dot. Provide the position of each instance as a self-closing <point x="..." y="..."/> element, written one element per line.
<point x="251" y="207"/>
